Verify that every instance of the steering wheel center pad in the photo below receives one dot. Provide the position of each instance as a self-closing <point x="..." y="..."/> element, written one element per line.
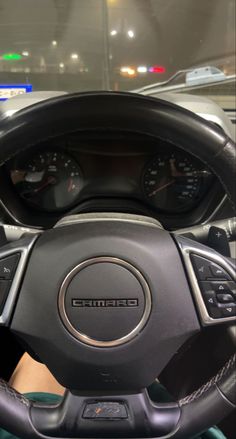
<point x="134" y="274"/>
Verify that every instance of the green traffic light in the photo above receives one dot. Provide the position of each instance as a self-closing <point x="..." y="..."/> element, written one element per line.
<point x="11" y="56"/>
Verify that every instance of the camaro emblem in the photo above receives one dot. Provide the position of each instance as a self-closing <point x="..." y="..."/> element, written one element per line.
<point x="104" y="303"/>
<point x="114" y="314"/>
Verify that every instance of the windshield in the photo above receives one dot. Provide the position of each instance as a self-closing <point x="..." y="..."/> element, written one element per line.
<point x="79" y="45"/>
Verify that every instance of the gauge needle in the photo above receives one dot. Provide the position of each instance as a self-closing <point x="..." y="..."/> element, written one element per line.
<point x="159" y="188"/>
<point x="70" y="185"/>
<point x="174" y="170"/>
<point x="50" y="180"/>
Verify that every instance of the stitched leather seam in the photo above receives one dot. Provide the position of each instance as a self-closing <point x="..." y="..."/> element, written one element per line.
<point x="207" y="386"/>
<point x="12" y="393"/>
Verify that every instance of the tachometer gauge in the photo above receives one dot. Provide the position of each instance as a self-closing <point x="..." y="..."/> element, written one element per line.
<point x="174" y="182"/>
<point x="49" y="180"/>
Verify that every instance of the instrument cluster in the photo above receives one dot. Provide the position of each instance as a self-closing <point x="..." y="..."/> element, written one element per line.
<point x="56" y="179"/>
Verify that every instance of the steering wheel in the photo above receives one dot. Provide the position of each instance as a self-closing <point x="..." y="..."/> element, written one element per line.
<point x="106" y="300"/>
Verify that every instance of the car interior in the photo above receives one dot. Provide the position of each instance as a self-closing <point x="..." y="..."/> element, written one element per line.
<point x="117" y="218"/>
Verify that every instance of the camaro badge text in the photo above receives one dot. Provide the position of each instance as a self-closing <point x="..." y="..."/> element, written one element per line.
<point x="104" y="303"/>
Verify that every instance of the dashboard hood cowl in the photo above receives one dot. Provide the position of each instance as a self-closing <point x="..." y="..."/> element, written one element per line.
<point x="202" y="106"/>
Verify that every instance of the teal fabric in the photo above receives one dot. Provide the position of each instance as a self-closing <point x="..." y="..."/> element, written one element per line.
<point x="157" y="392"/>
<point x="212" y="433"/>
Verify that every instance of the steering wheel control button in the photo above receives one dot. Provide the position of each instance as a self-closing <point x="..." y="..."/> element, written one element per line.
<point x="105" y="410"/>
<point x="229" y="310"/>
<point x="8" y="266"/>
<point x="206" y="269"/>
<point x="201" y="267"/>
<point x="219" y="272"/>
<point x="219" y="298"/>
<point x="225" y="298"/>
<point x="219" y="287"/>
<point x="4" y="289"/>
<point x="212" y="304"/>
<point x="210" y="298"/>
<point x="104" y="302"/>
<point x="224" y="287"/>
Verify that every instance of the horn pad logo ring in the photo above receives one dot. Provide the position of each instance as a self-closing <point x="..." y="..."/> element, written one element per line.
<point x="127" y="308"/>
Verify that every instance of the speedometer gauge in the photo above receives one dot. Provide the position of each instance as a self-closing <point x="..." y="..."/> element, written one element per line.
<point x="49" y="180"/>
<point x="174" y="182"/>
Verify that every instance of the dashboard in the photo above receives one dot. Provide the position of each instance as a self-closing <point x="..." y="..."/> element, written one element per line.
<point x="111" y="172"/>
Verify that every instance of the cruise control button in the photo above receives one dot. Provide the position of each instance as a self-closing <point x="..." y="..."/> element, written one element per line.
<point x="219" y="272"/>
<point x="4" y="288"/>
<point x="225" y="298"/>
<point x="8" y="266"/>
<point x="232" y="288"/>
<point x="220" y="287"/>
<point x="223" y="288"/>
<point x="229" y="311"/>
<point x="210" y="299"/>
<point x="201" y="267"/>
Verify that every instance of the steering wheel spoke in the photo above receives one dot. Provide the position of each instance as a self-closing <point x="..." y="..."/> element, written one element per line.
<point x="13" y="261"/>
<point x="126" y="415"/>
<point x="213" y="281"/>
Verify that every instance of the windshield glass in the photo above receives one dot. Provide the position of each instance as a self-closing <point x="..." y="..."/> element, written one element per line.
<point x="78" y="45"/>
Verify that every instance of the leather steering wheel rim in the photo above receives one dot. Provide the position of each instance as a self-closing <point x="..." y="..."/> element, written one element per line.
<point x="125" y="112"/>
